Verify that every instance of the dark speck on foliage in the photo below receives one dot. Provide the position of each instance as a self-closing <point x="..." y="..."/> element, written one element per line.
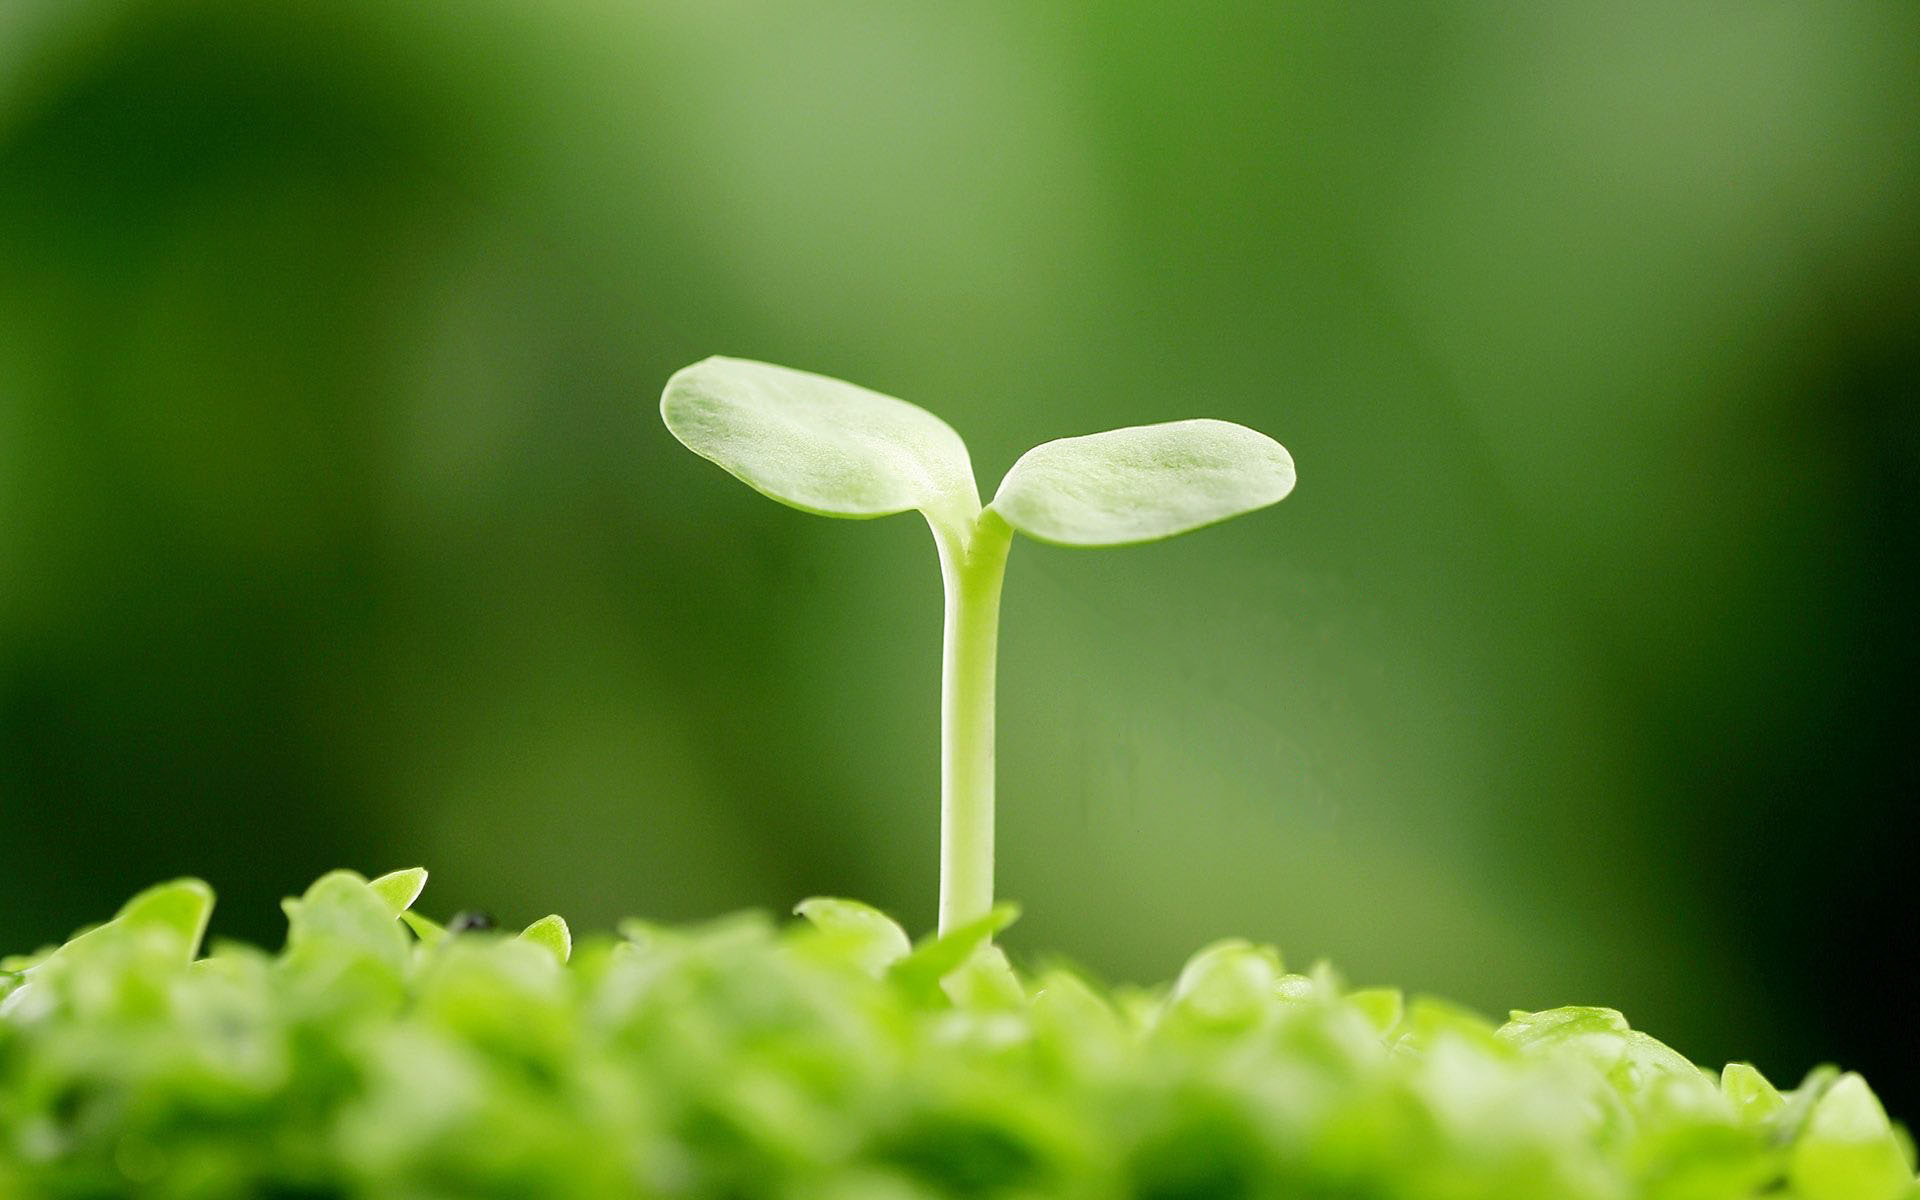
<point x="470" y="920"/>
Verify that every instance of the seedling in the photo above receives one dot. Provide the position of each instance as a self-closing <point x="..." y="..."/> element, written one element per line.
<point x="828" y="447"/>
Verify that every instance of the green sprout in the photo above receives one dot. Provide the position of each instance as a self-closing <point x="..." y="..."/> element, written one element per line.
<point x="828" y="447"/>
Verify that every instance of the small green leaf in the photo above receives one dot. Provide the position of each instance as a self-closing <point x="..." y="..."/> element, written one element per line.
<point x="1752" y="1097"/>
<point x="176" y="911"/>
<point x="986" y="980"/>
<point x="181" y="908"/>
<point x="821" y="445"/>
<point x="400" y="888"/>
<point x="1142" y="483"/>
<point x="1555" y="1025"/>
<point x="920" y="972"/>
<point x="1228" y="984"/>
<point x="1382" y="1007"/>
<point x="1429" y="1020"/>
<point x="861" y="934"/>
<point x="551" y="932"/>
<point x="1848" y="1150"/>
<point x="1065" y="1005"/>
<point x="340" y="912"/>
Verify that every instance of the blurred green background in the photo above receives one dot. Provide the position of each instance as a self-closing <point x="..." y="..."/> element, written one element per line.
<point x="337" y="525"/>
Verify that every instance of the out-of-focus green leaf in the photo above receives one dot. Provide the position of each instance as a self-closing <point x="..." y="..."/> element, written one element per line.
<point x="340" y="912"/>
<point x="1228" y="984"/>
<point x="1384" y="1008"/>
<point x="1749" y="1092"/>
<point x="175" y="912"/>
<point x="920" y="972"/>
<point x="400" y="888"/>
<point x="985" y="981"/>
<point x="427" y="930"/>
<point x="1848" y="1150"/>
<point x="551" y="934"/>
<point x="1070" y="1009"/>
<point x="857" y="932"/>
<point x="162" y="926"/>
<point x="172" y="916"/>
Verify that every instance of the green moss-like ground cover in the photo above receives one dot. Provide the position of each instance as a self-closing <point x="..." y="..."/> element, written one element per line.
<point x="826" y="1058"/>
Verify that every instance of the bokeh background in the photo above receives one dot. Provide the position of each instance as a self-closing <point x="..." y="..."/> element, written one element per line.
<point x="337" y="525"/>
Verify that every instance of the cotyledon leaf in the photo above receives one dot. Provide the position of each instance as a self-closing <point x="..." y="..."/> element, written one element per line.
<point x="821" y="445"/>
<point x="1142" y="483"/>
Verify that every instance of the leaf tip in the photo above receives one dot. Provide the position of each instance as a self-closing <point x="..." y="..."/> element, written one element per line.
<point x="551" y="932"/>
<point x="399" y="889"/>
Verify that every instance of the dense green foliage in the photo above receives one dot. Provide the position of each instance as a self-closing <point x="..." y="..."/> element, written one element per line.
<point x="829" y="1058"/>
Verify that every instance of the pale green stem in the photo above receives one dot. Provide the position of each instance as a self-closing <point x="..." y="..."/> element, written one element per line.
<point x="972" y="570"/>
